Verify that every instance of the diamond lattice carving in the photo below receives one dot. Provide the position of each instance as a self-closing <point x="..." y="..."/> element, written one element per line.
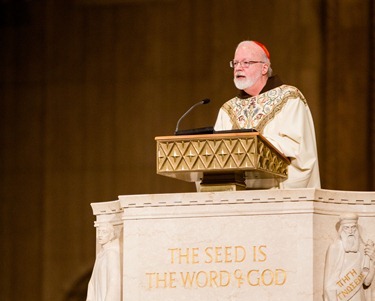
<point x="268" y="160"/>
<point x="207" y="154"/>
<point x="218" y="153"/>
<point x="190" y="155"/>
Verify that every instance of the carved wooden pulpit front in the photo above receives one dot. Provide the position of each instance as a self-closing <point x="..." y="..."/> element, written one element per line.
<point x="225" y="161"/>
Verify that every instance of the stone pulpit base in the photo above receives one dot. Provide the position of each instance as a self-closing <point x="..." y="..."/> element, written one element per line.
<point x="238" y="245"/>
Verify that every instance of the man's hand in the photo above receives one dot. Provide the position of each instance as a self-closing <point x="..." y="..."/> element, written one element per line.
<point x="370" y="250"/>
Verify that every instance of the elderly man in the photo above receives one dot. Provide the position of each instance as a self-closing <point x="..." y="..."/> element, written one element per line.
<point x="278" y="111"/>
<point x="349" y="268"/>
<point x="105" y="282"/>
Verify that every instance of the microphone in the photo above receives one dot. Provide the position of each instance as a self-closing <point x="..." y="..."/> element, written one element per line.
<point x="202" y="102"/>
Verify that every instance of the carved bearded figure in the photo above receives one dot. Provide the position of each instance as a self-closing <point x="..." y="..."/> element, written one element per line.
<point x="349" y="268"/>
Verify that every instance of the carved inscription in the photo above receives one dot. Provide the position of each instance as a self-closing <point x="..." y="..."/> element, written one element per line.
<point x="217" y="266"/>
<point x="349" y="283"/>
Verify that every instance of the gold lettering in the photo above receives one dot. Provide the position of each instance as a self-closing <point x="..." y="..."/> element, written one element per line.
<point x="345" y="279"/>
<point x="172" y="279"/>
<point x="187" y="278"/>
<point x="217" y="278"/>
<point x="218" y="255"/>
<point x="259" y="249"/>
<point x="172" y="254"/>
<point x="351" y="286"/>
<point x="280" y="277"/>
<point x="257" y="283"/>
<point x="222" y="282"/>
<point x="239" y="277"/>
<point x="339" y="296"/>
<point x="150" y="279"/>
<point x="263" y="253"/>
<point x="195" y="255"/>
<point x="228" y="254"/>
<point x="238" y="257"/>
<point x="209" y="255"/>
<point x="254" y="253"/>
<point x="348" y="290"/>
<point x="205" y="279"/>
<point x="353" y="272"/>
<point x="189" y="255"/>
<point x="213" y="277"/>
<point x="181" y="255"/>
<point x="223" y="278"/>
<point x="160" y="280"/>
<point x="264" y="277"/>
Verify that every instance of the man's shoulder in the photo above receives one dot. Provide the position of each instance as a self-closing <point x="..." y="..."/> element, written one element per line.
<point x="286" y="89"/>
<point x="289" y="92"/>
<point x="335" y="246"/>
<point x="231" y="102"/>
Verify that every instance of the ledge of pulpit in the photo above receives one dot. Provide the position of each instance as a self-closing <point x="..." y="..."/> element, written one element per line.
<point x="270" y="244"/>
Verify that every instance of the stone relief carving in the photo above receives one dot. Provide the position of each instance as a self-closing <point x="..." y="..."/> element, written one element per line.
<point x="105" y="282"/>
<point x="349" y="267"/>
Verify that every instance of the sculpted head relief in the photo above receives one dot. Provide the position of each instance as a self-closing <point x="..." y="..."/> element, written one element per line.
<point x="105" y="233"/>
<point x="349" y="233"/>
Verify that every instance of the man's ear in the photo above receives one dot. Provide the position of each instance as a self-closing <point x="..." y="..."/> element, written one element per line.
<point x="265" y="69"/>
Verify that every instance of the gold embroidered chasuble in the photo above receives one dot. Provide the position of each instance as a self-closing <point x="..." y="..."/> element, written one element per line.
<point x="281" y="114"/>
<point x="255" y="112"/>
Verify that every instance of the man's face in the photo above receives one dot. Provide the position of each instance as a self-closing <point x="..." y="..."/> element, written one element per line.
<point x="104" y="235"/>
<point x="350" y="237"/>
<point x="350" y="229"/>
<point x="246" y="77"/>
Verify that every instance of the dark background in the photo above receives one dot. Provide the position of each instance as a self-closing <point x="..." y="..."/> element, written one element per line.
<point x="86" y="85"/>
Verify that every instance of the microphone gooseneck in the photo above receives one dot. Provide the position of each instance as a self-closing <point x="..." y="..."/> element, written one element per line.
<point x="202" y="102"/>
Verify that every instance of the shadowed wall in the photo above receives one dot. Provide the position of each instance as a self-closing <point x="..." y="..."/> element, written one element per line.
<point x="86" y="85"/>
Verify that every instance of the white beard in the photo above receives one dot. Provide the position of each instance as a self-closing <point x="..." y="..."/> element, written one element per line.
<point x="350" y="242"/>
<point x="243" y="84"/>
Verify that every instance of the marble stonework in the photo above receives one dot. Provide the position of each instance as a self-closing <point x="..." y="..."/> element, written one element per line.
<point x="258" y="244"/>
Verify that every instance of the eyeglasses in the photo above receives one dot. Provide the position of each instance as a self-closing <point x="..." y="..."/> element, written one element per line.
<point x="244" y="64"/>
